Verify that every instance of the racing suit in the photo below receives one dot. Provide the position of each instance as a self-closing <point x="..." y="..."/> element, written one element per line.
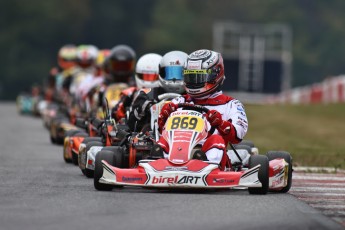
<point x="138" y="103"/>
<point x="233" y="128"/>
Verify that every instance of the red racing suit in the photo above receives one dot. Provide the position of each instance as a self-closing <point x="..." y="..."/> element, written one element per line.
<point x="234" y="125"/>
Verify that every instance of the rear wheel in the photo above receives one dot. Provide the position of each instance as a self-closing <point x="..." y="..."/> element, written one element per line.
<point x="271" y="155"/>
<point x="72" y="132"/>
<point x="82" y="158"/>
<point x="119" y="153"/>
<point x="263" y="173"/>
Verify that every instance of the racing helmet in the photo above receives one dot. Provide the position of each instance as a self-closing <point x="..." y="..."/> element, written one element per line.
<point x="121" y="63"/>
<point x="204" y="73"/>
<point x="147" y="71"/>
<point x="86" y="55"/>
<point x="171" y="71"/>
<point x="67" y="56"/>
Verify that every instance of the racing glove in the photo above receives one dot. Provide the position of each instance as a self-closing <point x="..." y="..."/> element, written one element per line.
<point x="216" y="120"/>
<point x="166" y="110"/>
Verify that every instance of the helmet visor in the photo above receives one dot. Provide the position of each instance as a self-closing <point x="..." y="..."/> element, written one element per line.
<point x="195" y="76"/>
<point x="122" y="65"/>
<point x="148" y="76"/>
<point x="172" y="73"/>
<point x="199" y="76"/>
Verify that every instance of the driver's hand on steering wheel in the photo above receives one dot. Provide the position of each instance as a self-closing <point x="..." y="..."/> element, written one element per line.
<point x="214" y="117"/>
<point x="167" y="109"/>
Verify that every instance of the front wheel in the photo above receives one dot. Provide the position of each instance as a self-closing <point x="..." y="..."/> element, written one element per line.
<point x="82" y="158"/>
<point x="74" y="154"/>
<point x="108" y="157"/>
<point x="271" y="155"/>
<point x="263" y="173"/>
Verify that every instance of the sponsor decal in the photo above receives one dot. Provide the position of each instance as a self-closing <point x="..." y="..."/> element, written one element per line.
<point x="211" y="60"/>
<point x="241" y="119"/>
<point x="131" y="179"/>
<point x="222" y="180"/>
<point x="194" y="64"/>
<point x="277" y="182"/>
<point x="177" y="62"/>
<point x="172" y="168"/>
<point x="240" y="108"/>
<point x="176" y="180"/>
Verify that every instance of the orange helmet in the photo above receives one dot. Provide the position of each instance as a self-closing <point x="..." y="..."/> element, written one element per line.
<point x="67" y="56"/>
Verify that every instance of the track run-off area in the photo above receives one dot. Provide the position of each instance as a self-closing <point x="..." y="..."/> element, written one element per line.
<point x="40" y="191"/>
<point x="323" y="191"/>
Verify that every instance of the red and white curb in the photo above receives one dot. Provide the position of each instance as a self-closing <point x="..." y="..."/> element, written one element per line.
<point x="323" y="191"/>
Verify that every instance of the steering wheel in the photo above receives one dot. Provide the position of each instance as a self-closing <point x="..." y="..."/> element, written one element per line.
<point x="165" y="96"/>
<point x="198" y="108"/>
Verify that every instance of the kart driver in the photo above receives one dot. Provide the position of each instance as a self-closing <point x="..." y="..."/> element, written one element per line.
<point x="168" y="76"/>
<point x="203" y="80"/>
<point x="146" y="76"/>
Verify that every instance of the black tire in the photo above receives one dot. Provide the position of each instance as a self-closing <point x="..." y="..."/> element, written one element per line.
<point x="89" y="139"/>
<point x="82" y="159"/>
<point x="52" y="139"/>
<point x="263" y="173"/>
<point x="287" y="157"/>
<point x="109" y="157"/>
<point x="60" y="139"/>
<point x="72" y="132"/>
<point x="66" y="142"/>
<point x="119" y="153"/>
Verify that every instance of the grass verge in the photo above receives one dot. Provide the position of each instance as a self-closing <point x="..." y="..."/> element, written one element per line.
<point x="313" y="134"/>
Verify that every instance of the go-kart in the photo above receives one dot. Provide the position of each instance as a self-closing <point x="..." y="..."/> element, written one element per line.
<point x="184" y="168"/>
<point x="117" y="137"/>
<point x="89" y="131"/>
<point x="59" y="127"/>
<point x="28" y="104"/>
<point x="90" y="126"/>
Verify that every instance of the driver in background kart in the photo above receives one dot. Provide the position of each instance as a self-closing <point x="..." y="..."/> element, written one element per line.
<point x="154" y="76"/>
<point x="146" y="76"/>
<point x="203" y="80"/>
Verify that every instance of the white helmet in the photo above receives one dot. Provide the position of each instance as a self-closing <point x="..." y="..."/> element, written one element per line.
<point x="86" y="55"/>
<point x="147" y="71"/>
<point x="171" y="71"/>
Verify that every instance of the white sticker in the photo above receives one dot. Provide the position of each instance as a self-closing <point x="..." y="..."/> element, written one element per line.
<point x="194" y="64"/>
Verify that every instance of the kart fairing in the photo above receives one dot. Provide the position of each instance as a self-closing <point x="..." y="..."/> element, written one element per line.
<point x="194" y="174"/>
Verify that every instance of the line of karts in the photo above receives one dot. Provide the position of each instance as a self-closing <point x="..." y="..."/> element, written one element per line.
<point x="116" y="156"/>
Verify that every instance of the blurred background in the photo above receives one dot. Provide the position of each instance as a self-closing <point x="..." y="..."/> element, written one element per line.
<point x="32" y="32"/>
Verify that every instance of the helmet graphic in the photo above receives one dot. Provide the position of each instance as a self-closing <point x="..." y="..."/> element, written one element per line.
<point x="204" y="73"/>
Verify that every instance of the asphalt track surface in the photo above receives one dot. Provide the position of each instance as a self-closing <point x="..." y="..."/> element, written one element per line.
<point x="38" y="190"/>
